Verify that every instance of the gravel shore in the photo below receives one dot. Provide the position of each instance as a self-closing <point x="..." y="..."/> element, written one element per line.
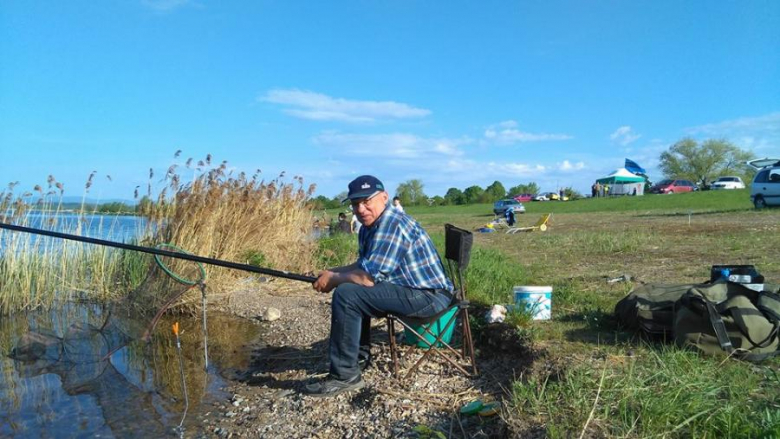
<point x="266" y="399"/>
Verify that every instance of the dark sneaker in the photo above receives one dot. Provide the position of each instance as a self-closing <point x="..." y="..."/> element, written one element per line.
<point x="333" y="387"/>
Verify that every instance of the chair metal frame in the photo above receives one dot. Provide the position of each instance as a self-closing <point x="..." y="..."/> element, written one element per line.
<point x="540" y="225"/>
<point x="458" y="244"/>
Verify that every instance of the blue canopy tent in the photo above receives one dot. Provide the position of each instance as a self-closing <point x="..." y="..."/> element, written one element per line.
<point x="632" y="167"/>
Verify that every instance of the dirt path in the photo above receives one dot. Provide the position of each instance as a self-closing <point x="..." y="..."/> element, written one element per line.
<point x="267" y="399"/>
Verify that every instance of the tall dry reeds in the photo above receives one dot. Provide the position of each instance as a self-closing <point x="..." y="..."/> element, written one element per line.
<point x="204" y="210"/>
<point x="37" y="270"/>
<point x="210" y="212"/>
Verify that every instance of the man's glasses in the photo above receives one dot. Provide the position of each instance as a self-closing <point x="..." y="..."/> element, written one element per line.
<point x="364" y="202"/>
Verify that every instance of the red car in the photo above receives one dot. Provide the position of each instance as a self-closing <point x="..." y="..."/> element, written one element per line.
<point x="672" y="187"/>
<point x="524" y="198"/>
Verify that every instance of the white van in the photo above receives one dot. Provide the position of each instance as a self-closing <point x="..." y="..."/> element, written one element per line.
<point x="765" y="190"/>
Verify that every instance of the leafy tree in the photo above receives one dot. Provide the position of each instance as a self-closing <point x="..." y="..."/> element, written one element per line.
<point x="437" y="200"/>
<point x="114" y="207"/>
<point x="454" y="196"/>
<point x="704" y="162"/>
<point x="571" y="193"/>
<point x="411" y="193"/>
<point x="322" y="202"/>
<point x="337" y="201"/>
<point x="144" y="205"/>
<point x="495" y="192"/>
<point x="530" y="188"/>
<point x="472" y="194"/>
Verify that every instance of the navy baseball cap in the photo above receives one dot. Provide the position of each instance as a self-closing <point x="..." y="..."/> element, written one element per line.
<point x="364" y="187"/>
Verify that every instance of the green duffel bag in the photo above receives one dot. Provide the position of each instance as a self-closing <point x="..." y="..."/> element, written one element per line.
<point x="651" y="308"/>
<point x="726" y="317"/>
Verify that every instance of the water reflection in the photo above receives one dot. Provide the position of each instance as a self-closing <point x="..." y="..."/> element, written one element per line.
<point x="76" y="373"/>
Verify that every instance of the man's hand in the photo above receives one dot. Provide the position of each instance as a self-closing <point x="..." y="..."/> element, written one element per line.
<point x="330" y="279"/>
<point x="326" y="281"/>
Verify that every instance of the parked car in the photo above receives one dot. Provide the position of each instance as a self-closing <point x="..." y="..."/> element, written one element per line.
<point x="728" y="183"/>
<point x="500" y="206"/>
<point x="673" y="187"/>
<point x="765" y="190"/>
<point x="547" y="196"/>
<point x="524" y="198"/>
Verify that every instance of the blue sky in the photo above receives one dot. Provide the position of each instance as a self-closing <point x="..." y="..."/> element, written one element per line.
<point x="453" y="93"/>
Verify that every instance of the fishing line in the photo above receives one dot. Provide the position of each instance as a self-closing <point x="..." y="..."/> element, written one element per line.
<point x="180" y="428"/>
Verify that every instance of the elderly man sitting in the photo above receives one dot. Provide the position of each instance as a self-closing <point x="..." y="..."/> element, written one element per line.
<point x="398" y="270"/>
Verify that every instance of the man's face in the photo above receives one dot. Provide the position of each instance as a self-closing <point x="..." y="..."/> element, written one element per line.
<point x="369" y="209"/>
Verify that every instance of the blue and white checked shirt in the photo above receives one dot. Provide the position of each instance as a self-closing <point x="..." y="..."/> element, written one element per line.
<point x="396" y="249"/>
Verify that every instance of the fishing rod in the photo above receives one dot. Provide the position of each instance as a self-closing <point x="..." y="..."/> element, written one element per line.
<point x="160" y="252"/>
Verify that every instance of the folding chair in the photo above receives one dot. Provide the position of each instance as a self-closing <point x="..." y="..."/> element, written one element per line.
<point x="540" y="225"/>
<point x="458" y="244"/>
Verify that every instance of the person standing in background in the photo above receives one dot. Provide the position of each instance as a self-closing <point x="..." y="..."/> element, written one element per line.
<point x="397" y="204"/>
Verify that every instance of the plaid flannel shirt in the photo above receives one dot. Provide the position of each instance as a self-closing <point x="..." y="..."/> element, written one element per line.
<point x="396" y="249"/>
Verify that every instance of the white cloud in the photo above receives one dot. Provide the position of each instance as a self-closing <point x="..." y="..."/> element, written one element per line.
<point x="473" y="170"/>
<point x="393" y="145"/>
<point x="768" y="123"/>
<point x="624" y="136"/>
<point x="165" y="5"/>
<point x="760" y="134"/>
<point x="567" y="166"/>
<point x="507" y="132"/>
<point x="317" y="106"/>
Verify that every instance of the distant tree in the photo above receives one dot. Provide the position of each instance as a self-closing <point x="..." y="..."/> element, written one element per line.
<point x="454" y="196"/>
<point x="704" y="162"/>
<point x="495" y="192"/>
<point x="411" y="193"/>
<point x="437" y="200"/>
<point x="144" y="205"/>
<point x="338" y="200"/>
<point x="530" y="188"/>
<point x="571" y="193"/>
<point x="115" y="207"/>
<point x="321" y="202"/>
<point x="472" y="194"/>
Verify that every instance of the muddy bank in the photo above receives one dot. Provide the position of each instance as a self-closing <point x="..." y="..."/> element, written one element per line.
<point x="267" y="401"/>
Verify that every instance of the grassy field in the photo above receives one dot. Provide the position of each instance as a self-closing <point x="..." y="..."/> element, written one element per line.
<point x="595" y="378"/>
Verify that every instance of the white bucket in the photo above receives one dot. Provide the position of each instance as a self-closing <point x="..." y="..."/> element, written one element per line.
<point x="536" y="300"/>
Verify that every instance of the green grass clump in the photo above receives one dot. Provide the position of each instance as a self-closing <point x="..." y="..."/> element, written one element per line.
<point x="491" y="276"/>
<point x="664" y="392"/>
<point x="336" y="250"/>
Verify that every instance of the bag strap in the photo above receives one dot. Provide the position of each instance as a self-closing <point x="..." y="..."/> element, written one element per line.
<point x="769" y="304"/>
<point x="758" y="357"/>
<point x="718" y="325"/>
<point x="765" y="307"/>
<point x="739" y="318"/>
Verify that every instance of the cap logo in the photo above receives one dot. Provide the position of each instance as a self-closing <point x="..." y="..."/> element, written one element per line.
<point x="365" y="186"/>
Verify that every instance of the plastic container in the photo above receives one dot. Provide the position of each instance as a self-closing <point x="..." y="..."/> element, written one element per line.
<point x="536" y="300"/>
<point x="436" y="328"/>
<point x="744" y="274"/>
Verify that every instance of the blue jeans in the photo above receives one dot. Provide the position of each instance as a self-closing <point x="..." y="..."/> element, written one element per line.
<point x="352" y="309"/>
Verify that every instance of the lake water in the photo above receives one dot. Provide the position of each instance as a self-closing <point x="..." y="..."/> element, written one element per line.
<point x="120" y="228"/>
<point x="63" y="386"/>
<point x="74" y="371"/>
